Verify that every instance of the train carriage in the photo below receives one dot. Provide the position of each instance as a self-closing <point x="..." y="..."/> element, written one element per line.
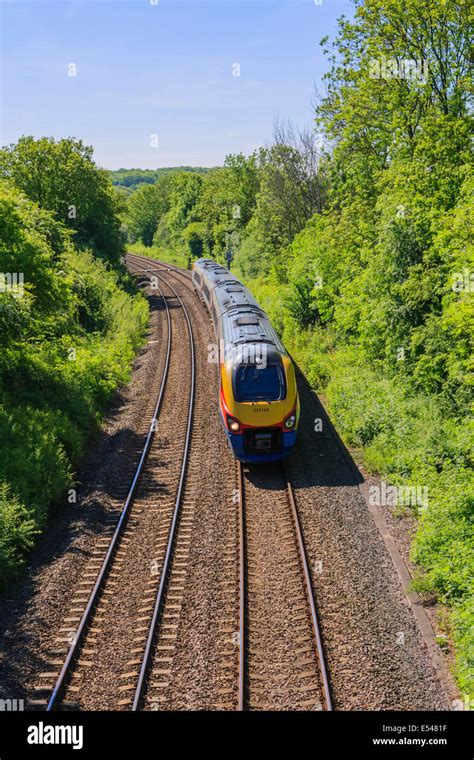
<point x="258" y="398"/>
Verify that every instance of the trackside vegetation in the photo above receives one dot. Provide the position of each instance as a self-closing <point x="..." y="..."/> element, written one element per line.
<point x="70" y="323"/>
<point x="356" y="237"/>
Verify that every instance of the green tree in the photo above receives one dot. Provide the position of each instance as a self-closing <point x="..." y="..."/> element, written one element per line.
<point x="185" y="192"/>
<point x="31" y="248"/>
<point x="146" y="206"/>
<point x="195" y="236"/>
<point x="62" y="177"/>
<point x="291" y="190"/>
<point x="394" y="64"/>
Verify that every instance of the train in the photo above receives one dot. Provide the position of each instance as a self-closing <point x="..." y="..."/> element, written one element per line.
<point x="258" y="396"/>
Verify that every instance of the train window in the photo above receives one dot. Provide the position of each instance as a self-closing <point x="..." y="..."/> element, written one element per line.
<point x="205" y="290"/>
<point x="252" y="383"/>
<point x="197" y="278"/>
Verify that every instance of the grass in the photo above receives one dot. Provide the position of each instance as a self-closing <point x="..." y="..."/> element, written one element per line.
<point x="177" y="257"/>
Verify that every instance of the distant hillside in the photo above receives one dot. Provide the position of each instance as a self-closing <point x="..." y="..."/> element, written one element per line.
<point x="130" y="179"/>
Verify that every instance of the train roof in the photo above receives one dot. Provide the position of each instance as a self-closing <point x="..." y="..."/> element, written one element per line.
<point x="214" y="272"/>
<point x="228" y="291"/>
<point x="249" y="325"/>
<point x="231" y="294"/>
<point x="242" y="320"/>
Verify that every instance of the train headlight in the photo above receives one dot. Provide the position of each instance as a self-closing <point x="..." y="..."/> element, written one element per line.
<point x="233" y="424"/>
<point x="290" y="422"/>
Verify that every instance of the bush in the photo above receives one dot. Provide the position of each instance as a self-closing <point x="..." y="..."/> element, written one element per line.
<point x="17" y="532"/>
<point x="67" y="342"/>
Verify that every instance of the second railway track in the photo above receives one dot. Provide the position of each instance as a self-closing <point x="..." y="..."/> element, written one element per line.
<point x="110" y="633"/>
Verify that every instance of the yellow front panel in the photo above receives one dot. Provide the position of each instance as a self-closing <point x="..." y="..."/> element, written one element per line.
<point x="260" y="413"/>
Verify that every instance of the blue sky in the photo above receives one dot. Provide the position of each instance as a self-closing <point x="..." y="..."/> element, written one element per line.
<point x="162" y="69"/>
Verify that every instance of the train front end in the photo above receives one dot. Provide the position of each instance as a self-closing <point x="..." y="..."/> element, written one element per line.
<point x="259" y="405"/>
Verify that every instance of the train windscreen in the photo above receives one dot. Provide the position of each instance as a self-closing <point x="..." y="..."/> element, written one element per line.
<point x="254" y="383"/>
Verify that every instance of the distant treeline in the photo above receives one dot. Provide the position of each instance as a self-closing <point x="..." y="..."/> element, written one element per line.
<point x="130" y="179"/>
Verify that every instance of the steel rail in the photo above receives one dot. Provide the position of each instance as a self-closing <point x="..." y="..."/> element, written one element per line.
<point x="309" y="591"/>
<point x="242" y="592"/>
<point x="86" y="617"/>
<point x="169" y="550"/>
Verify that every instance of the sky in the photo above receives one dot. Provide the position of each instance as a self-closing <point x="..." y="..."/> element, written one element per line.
<point x="153" y="83"/>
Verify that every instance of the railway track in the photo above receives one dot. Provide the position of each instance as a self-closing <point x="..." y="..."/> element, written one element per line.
<point x="100" y="588"/>
<point x="282" y="663"/>
<point x="275" y="594"/>
<point x="154" y="265"/>
<point x="191" y="671"/>
<point x="157" y="609"/>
